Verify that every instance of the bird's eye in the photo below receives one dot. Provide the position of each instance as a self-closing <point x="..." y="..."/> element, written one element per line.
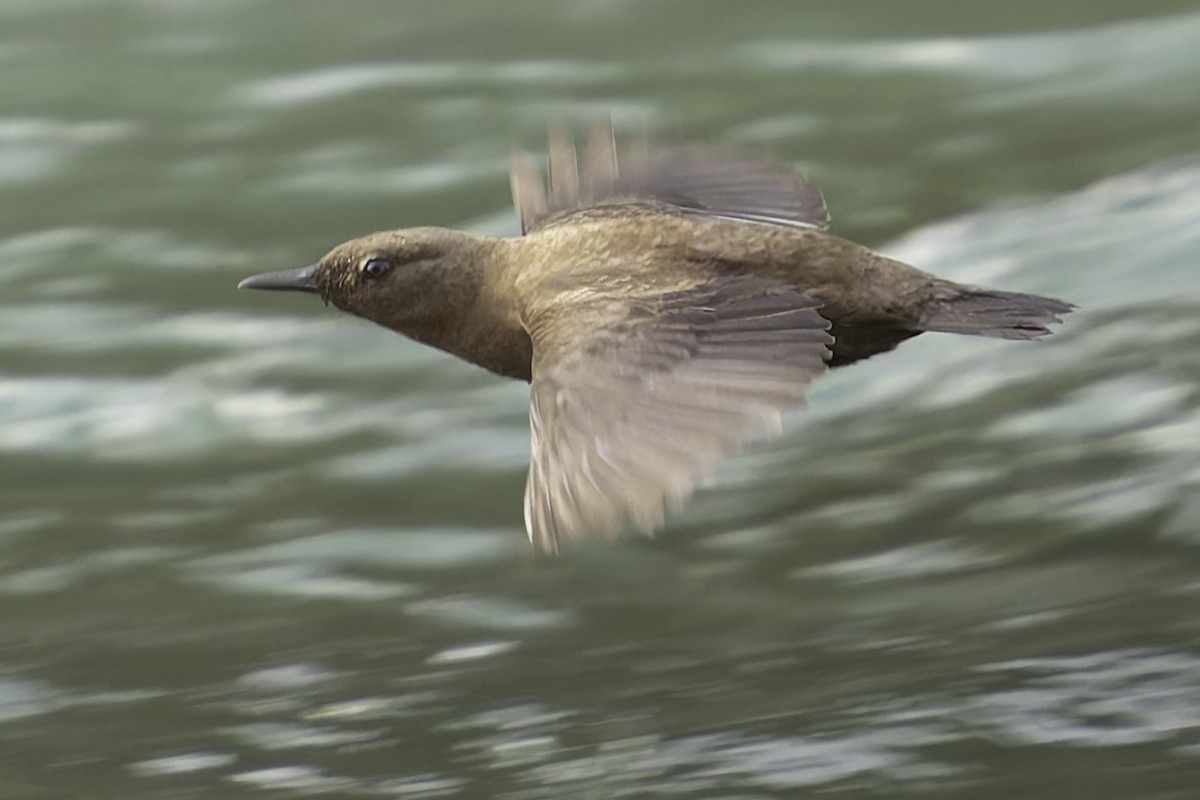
<point x="374" y="267"/>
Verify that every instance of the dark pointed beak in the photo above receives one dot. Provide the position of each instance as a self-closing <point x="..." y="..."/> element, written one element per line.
<point x="287" y="280"/>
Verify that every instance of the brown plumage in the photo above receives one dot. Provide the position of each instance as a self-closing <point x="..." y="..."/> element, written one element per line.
<point x="666" y="306"/>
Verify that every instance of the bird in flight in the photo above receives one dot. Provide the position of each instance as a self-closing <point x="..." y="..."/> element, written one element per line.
<point x="666" y="305"/>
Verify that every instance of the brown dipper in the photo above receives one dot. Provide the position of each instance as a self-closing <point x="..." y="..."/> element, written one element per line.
<point x="665" y="312"/>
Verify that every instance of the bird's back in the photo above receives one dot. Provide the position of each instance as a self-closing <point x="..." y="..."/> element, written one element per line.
<point x="641" y="248"/>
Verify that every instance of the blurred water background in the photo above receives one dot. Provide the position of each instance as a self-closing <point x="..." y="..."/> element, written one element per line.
<point x="251" y="547"/>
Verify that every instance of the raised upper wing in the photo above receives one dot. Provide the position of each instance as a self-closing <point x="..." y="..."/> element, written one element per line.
<point x="707" y="181"/>
<point x="628" y="413"/>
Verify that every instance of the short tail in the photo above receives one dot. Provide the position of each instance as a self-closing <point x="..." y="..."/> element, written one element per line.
<point x="957" y="308"/>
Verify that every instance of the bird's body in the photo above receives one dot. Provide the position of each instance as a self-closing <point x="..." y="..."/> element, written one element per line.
<point x="665" y="312"/>
<point x="872" y="302"/>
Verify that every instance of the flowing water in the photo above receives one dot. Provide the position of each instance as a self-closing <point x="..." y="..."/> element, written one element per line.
<point x="251" y="547"/>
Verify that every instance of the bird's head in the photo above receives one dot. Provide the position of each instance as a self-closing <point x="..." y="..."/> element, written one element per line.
<point x="406" y="280"/>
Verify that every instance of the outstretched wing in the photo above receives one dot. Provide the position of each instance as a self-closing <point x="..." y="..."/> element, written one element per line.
<point x="628" y="414"/>
<point x="705" y="181"/>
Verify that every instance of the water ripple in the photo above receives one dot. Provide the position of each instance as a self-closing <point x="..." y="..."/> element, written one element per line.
<point x="31" y="148"/>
